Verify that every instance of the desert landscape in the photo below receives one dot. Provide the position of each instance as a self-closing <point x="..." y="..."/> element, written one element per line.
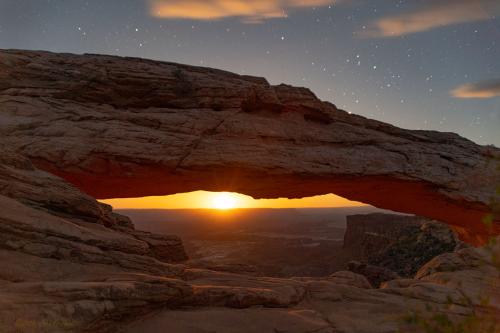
<point x="70" y="263"/>
<point x="249" y="166"/>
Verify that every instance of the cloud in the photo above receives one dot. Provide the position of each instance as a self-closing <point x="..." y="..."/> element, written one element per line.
<point x="433" y="14"/>
<point x="250" y="11"/>
<point x="483" y="89"/>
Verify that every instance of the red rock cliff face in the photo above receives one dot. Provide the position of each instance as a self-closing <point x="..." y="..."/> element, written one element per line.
<point x="123" y="127"/>
<point x="368" y="234"/>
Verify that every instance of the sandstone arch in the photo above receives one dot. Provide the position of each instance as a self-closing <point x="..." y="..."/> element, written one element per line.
<point x="125" y="127"/>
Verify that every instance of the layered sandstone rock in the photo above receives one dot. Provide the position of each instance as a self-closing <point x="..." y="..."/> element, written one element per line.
<point x="45" y="216"/>
<point x="124" y="127"/>
<point x="69" y="264"/>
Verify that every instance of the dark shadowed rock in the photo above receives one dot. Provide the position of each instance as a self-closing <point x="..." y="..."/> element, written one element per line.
<point x="374" y="274"/>
<point x="396" y="242"/>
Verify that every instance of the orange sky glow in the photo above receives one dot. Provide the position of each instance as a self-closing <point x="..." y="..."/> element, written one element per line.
<point x="226" y="200"/>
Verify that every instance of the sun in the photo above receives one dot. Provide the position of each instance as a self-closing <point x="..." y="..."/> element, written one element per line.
<point x="223" y="201"/>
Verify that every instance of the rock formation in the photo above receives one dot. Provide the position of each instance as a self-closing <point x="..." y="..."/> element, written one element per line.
<point x="125" y="127"/>
<point x="376" y="275"/>
<point x="397" y="242"/>
<point x="371" y="233"/>
<point x="69" y="264"/>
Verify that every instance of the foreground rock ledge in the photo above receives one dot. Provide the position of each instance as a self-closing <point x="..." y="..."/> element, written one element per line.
<point x="126" y="127"/>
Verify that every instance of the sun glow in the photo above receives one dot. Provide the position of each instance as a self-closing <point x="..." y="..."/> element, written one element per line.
<point x="224" y="201"/>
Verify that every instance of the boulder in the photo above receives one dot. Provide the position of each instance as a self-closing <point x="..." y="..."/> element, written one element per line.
<point x="374" y="274"/>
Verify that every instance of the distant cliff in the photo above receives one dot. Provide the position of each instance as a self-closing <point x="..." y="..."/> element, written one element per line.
<point x="397" y="242"/>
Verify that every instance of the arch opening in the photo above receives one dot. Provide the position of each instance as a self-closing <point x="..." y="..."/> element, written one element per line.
<point x="227" y="201"/>
<point x="311" y="236"/>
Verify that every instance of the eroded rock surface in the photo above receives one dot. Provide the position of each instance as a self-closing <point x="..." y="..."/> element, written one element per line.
<point x="70" y="264"/>
<point x="125" y="127"/>
<point x="68" y="260"/>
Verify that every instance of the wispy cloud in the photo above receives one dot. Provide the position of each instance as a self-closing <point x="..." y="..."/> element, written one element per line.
<point x="483" y="89"/>
<point x="250" y="11"/>
<point x="431" y="14"/>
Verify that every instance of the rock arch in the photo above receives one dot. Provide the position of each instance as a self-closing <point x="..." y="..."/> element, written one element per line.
<point x="126" y="127"/>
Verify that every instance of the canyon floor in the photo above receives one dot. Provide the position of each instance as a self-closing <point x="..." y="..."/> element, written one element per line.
<point x="259" y="242"/>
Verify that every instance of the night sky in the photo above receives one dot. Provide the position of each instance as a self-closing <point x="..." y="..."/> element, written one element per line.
<point x="421" y="64"/>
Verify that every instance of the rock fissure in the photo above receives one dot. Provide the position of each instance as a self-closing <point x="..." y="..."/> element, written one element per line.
<point x="196" y="143"/>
